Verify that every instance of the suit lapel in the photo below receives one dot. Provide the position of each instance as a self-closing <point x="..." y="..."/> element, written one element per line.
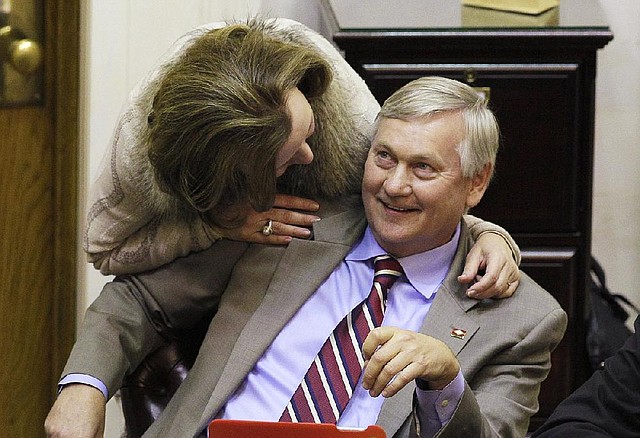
<point x="447" y="319"/>
<point x="446" y="314"/>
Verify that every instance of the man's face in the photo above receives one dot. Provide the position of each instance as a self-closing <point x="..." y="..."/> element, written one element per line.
<point x="413" y="190"/>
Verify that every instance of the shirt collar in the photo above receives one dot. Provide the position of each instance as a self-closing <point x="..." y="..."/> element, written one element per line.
<point x="425" y="271"/>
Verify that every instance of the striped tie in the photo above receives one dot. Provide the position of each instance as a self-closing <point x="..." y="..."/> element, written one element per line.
<point x="329" y="383"/>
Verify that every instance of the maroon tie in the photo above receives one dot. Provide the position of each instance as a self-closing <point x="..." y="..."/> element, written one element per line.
<point x="329" y="383"/>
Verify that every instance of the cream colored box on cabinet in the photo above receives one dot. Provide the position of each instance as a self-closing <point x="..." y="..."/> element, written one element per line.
<point x="532" y="7"/>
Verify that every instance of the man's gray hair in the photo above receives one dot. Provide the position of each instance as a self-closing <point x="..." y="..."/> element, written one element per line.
<point x="430" y="95"/>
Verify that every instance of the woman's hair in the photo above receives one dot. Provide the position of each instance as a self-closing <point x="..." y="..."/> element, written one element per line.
<point x="219" y="118"/>
<point x="430" y="95"/>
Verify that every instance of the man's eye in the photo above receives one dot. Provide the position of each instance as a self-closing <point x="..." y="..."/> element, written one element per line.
<point x="424" y="169"/>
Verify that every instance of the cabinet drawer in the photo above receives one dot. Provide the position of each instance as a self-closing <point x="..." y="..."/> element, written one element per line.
<point x="555" y="269"/>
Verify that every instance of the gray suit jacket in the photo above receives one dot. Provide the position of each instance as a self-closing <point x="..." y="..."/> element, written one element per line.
<point x="505" y="354"/>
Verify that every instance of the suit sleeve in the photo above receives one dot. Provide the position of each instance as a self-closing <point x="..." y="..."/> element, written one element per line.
<point x="607" y="404"/>
<point x="135" y="314"/>
<point x="500" y="397"/>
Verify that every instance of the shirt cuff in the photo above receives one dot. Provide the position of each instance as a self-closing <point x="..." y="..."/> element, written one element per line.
<point x="84" y="379"/>
<point x="435" y="408"/>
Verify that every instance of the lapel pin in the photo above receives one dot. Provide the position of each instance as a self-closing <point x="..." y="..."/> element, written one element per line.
<point x="458" y="333"/>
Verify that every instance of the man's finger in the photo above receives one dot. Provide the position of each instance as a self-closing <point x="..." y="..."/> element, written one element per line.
<point x="375" y="339"/>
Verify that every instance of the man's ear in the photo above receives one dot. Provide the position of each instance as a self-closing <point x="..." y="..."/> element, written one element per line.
<point x="478" y="185"/>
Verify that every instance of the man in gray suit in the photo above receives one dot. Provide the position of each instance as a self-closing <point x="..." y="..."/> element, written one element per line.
<point x="441" y="363"/>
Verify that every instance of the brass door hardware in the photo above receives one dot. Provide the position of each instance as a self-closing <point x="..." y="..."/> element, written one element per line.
<point x="21" y="52"/>
<point x="24" y="54"/>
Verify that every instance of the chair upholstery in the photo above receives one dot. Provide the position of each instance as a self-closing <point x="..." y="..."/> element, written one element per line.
<point x="146" y="392"/>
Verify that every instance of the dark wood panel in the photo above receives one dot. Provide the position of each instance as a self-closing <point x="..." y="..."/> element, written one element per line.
<point x="555" y="269"/>
<point x="26" y="227"/>
<point x="38" y="202"/>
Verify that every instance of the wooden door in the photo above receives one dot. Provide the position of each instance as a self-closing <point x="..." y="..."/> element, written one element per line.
<point x="38" y="185"/>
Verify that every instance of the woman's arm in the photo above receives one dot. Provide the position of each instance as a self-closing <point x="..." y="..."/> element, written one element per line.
<point x="479" y="226"/>
<point x="492" y="264"/>
<point x="162" y="240"/>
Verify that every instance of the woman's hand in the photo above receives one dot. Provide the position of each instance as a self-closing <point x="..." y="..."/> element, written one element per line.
<point x="277" y="226"/>
<point x="493" y="256"/>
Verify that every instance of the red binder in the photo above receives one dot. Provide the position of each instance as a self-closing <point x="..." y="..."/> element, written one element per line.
<point x="266" y="429"/>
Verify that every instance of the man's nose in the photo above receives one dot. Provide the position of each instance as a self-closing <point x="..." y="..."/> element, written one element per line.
<point x="397" y="182"/>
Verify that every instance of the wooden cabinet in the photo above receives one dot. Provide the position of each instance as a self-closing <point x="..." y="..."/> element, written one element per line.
<point x="539" y="72"/>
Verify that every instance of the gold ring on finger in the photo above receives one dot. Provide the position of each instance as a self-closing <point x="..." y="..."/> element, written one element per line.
<point x="267" y="230"/>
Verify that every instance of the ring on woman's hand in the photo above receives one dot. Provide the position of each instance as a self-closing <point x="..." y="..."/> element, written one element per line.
<point x="267" y="230"/>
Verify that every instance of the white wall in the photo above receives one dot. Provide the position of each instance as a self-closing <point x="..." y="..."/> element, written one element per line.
<point x="122" y="39"/>
<point x="616" y="195"/>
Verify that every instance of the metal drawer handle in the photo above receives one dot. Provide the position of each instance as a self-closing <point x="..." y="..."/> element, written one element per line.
<point x="470" y="76"/>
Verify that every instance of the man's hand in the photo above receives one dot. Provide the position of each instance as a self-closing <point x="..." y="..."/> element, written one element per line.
<point x="501" y="277"/>
<point x="395" y="357"/>
<point x="78" y="412"/>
